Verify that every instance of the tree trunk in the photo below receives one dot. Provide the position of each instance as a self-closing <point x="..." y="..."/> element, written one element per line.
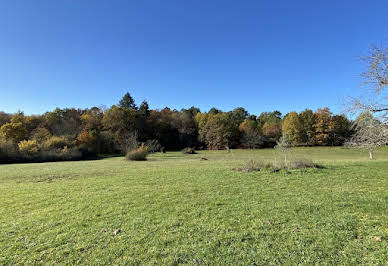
<point x="371" y="154"/>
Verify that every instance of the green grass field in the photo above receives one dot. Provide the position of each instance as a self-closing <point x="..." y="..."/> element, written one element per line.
<point x="178" y="209"/>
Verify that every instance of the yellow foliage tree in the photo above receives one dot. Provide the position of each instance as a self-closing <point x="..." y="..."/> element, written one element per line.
<point x="85" y="137"/>
<point x="14" y="132"/>
<point x="322" y="126"/>
<point x="292" y="128"/>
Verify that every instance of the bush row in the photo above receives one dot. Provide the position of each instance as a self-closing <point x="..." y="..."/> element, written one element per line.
<point x="51" y="149"/>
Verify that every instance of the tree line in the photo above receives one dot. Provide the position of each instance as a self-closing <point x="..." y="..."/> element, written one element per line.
<point x="71" y="133"/>
<point x="80" y="133"/>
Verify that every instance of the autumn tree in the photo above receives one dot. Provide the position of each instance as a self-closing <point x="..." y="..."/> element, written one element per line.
<point x="86" y="138"/>
<point x="14" y="131"/>
<point x="322" y="126"/>
<point x="292" y="128"/>
<point x="218" y="131"/>
<point x="18" y="118"/>
<point x="91" y="119"/>
<point x="270" y="126"/>
<point x="34" y="121"/>
<point x="121" y="123"/>
<point x="193" y="111"/>
<point x="250" y="135"/>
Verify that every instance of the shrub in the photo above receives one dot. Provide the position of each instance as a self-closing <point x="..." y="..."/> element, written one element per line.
<point x="54" y="143"/>
<point x="28" y="151"/>
<point x="139" y="154"/>
<point x="188" y="151"/>
<point x="28" y="148"/>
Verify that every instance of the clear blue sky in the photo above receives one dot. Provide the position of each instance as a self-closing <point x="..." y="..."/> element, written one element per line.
<point x="261" y="55"/>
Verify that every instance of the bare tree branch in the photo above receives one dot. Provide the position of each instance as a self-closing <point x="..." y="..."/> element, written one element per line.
<point x="375" y="80"/>
<point x="370" y="133"/>
<point x="376" y="73"/>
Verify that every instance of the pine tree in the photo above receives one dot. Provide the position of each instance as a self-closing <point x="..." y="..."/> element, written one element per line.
<point x="144" y="109"/>
<point x="127" y="102"/>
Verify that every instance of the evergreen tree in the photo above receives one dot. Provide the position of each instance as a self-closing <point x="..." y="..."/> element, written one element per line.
<point x="127" y="102"/>
<point x="144" y="109"/>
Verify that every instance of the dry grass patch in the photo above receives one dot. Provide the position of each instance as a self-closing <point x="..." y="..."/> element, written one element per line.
<point x="276" y="165"/>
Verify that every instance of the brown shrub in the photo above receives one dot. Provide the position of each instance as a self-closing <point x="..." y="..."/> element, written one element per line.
<point x="139" y="154"/>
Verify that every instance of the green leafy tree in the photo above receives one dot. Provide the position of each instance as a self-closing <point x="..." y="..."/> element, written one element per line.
<point x="307" y="120"/>
<point x="238" y="115"/>
<point x="214" y="111"/>
<point x="341" y="130"/>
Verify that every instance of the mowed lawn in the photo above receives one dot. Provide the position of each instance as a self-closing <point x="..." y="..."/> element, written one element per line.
<point x="179" y="209"/>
